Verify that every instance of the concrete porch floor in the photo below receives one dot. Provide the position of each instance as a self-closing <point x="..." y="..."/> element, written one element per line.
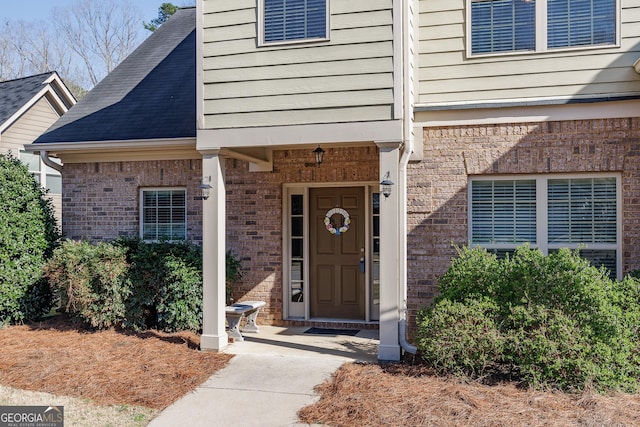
<point x="292" y="341"/>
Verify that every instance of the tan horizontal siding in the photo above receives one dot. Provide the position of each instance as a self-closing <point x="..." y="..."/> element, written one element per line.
<point x="338" y="37"/>
<point x="446" y="75"/>
<point x="338" y="80"/>
<point x="544" y="66"/>
<point x="30" y="125"/>
<point x="300" y="56"/>
<point x="342" y="67"/>
<point x="214" y="6"/>
<point x="298" y="117"/>
<point x="236" y="32"/>
<point x="356" y="6"/>
<point x="229" y="19"/>
<point x="595" y="90"/>
<point x="298" y="101"/>
<point x="550" y="80"/>
<point x="327" y="84"/>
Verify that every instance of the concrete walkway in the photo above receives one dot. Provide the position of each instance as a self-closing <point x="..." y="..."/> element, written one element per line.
<point x="271" y="377"/>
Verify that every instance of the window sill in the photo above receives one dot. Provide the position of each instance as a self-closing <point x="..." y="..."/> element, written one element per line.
<point x="293" y="43"/>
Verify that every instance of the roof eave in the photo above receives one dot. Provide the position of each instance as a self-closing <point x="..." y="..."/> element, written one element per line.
<point x="120" y="150"/>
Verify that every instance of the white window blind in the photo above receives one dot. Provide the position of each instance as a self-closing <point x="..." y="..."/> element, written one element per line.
<point x="502" y="26"/>
<point x="294" y="20"/>
<point x="549" y="213"/>
<point x="497" y="26"/>
<point x="581" y="22"/>
<point x="503" y="212"/>
<point x="164" y="215"/>
<point x="582" y="210"/>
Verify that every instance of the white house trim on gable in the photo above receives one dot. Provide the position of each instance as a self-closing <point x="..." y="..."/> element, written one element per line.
<point x="46" y="90"/>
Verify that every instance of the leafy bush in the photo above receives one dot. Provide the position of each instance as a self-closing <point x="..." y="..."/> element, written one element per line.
<point x="550" y="321"/>
<point x="166" y="283"/>
<point x="469" y="348"/>
<point x="148" y="285"/>
<point x="91" y="281"/>
<point x="233" y="274"/>
<point x="28" y="233"/>
<point x="179" y="304"/>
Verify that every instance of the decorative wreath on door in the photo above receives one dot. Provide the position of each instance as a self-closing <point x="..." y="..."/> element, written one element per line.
<point x="345" y="222"/>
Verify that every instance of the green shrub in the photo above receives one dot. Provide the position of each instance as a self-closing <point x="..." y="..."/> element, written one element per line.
<point x="91" y="281"/>
<point x="561" y="322"/>
<point x="132" y="283"/>
<point x="179" y="303"/>
<point x="471" y="347"/>
<point x="28" y="233"/>
<point x="166" y="283"/>
<point x="233" y="273"/>
<point x="38" y="300"/>
<point x="547" y="348"/>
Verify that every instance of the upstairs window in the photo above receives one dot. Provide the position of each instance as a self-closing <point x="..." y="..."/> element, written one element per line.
<point x="501" y="26"/>
<point x="294" y="20"/>
<point x="581" y="23"/>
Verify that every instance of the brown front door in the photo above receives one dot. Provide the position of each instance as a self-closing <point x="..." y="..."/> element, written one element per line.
<point x="336" y="251"/>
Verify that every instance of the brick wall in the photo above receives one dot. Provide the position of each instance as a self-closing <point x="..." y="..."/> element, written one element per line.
<point x="437" y="193"/>
<point x="254" y="212"/>
<point x="101" y="201"/>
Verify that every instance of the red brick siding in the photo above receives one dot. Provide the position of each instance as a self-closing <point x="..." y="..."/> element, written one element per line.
<point x="254" y="212"/>
<point x="437" y="193"/>
<point x="101" y="201"/>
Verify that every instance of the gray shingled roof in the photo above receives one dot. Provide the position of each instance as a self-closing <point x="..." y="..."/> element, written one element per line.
<point x="15" y="94"/>
<point x="150" y="95"/>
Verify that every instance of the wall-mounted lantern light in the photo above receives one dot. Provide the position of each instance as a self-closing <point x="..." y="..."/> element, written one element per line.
<point x="205" y="187"/>
<point x="386" y="184"/>
<point x="319" y="152"/>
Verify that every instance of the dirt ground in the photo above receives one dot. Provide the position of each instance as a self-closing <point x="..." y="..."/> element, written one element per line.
<point x="149" y="369"/>
<point x="397" y="395"/>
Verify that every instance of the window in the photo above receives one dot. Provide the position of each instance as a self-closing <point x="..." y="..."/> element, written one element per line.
<point x="294" y="20"/>
<point x="163" y="214"/>
<point x="581" y="23"/>
<point x="297" y="248"/>
<point x="502" y="26"/>
<point x="48" y="177"/>
<point x="549" y="213"/>
<point x="499" y="26"/>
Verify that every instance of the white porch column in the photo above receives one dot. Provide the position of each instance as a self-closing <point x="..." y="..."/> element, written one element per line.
<point x="389" y="253"/>
<point x="214" y="336"/>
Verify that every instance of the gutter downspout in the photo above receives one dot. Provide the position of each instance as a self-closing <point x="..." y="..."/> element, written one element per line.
<point x="408" y="59"/>
<point x="402" y="303"/>
<point x="44" y="155"/>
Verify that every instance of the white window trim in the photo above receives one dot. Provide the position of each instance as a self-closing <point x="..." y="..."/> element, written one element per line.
<point x="141" y="210"/>
<point x="541" y="34"/>
<point x="263" y="43"/>
<point x="541" y="213"/>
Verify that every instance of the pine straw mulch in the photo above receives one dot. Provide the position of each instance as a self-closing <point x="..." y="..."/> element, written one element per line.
<point x="403" y="395"/>
<point x="150" y="369"/>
